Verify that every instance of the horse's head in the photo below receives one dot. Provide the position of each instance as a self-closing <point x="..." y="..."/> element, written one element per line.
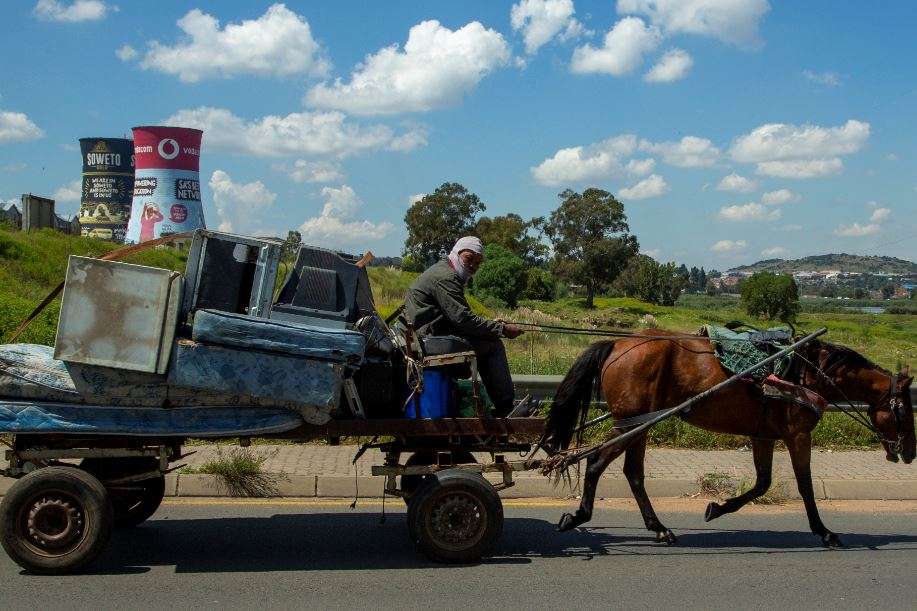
<point x="892" y="413"/>
<point x="887" y="394"/>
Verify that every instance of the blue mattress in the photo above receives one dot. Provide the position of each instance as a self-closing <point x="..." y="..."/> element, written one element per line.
<point x="251" y="333"/>
<point x="38" y="417"/>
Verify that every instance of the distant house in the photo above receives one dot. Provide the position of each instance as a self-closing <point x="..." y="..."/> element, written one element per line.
<point x="11" y="214"/>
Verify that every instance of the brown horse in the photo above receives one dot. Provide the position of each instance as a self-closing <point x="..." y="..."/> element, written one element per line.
<point x="657" y="369"/>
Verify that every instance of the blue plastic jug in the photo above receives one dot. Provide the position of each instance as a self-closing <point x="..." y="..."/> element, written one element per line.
<point x="436" y="400"/>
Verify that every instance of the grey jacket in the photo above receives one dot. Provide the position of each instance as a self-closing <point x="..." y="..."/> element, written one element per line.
<point x="435" y="305"/>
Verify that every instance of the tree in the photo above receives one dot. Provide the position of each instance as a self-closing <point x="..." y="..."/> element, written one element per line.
<point x="291" y="245"/>
<point x="771" y="296"/>
<point x="435" y="222"/>
<point x="650" y="281"/>
<point x="539" y="284"/>
<point x="513" y="233"/>
<point x="888" y="291"/>
<point x="502" y="275"/>
<point x="589" y="233"/>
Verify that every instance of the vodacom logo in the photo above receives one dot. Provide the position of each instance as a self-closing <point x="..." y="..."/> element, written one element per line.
<point x="168" y="148"/>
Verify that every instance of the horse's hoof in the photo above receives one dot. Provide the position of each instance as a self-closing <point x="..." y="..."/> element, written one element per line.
<point x="666" y="536"/>
<point x="831" y="541"/>
<point x="713" y="512"/>
<point x="566" y="523"/>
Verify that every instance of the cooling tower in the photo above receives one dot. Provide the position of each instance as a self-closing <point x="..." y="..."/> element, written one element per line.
<point x="167" y="188"/>
<point x="108" y="186"/>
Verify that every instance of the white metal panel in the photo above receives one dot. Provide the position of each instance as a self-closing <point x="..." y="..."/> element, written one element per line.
<point x="117" y="315"/>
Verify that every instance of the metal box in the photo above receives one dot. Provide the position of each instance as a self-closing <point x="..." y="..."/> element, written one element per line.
<point x="118" y="315"/>
<point x="230" y="273"/>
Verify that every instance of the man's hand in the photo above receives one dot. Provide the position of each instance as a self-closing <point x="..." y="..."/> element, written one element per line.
<point x="511" y="331"/>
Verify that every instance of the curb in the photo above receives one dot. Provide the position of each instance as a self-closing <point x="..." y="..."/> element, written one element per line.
<point x="344" y="486"/>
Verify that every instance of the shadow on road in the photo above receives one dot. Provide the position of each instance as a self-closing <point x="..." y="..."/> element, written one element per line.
<point x="340" y="541"/>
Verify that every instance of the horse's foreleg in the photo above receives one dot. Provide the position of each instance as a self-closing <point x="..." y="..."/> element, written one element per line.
<point x="595" y="466"/>
<point x="763" y="452"/>
<point x="633" y="471"/>
<point x="800" y="448"/>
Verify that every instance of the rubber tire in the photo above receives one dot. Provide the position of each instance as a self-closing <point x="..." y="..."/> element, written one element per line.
<point x="410" y="483"/>
<point x="131" y="508"/>
<point x="83" y="488"/>
<point x="433" y="490"/>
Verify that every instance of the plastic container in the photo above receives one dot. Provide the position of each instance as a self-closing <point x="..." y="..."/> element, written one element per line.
<point x="437" y="398"/>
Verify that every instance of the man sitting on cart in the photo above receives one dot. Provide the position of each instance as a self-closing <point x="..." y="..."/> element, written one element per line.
<point x="436" y="305"/>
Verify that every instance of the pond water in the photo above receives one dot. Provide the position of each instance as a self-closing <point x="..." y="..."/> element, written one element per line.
<point x="867" y="309"/>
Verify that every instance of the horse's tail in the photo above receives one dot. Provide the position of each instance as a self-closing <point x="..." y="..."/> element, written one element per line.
<point x="574" y="396"/>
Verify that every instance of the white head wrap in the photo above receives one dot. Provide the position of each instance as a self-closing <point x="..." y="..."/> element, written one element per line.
<point x="467" y="243"/>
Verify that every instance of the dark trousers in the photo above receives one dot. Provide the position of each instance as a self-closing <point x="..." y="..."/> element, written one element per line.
<point x="494" y="369"/>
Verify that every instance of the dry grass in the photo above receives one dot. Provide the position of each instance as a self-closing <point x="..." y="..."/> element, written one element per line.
<point x="240" y="471"/>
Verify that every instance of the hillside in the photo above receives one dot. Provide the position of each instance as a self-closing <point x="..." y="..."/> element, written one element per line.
<point x="833" y="262"/>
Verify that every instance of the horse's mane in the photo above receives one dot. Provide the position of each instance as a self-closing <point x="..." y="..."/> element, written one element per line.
<point x="837" y="354"/>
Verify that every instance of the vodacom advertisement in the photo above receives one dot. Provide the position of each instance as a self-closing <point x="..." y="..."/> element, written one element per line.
<point x="167" y="188"/>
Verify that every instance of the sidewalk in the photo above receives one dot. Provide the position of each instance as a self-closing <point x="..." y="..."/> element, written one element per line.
<point x="326" y="471"/>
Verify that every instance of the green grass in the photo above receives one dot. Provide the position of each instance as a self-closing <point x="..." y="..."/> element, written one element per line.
<point x="31" y="264"/>
<point x="241" y="472"/>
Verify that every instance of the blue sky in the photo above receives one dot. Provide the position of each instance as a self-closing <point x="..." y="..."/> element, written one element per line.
<point x="733" y="130"/>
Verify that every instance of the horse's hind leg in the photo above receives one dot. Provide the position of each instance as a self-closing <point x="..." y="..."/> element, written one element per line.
<point x="800" y="447"/>
<point x="595" y="466"/>
<point x="763" y="452"/>
<point x="633" y="471"/>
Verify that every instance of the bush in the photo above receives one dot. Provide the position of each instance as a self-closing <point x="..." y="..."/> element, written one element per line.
<point x="539" y="284"/>
<point x="501" y="276"/>
<point x="647" y="280"/>
<point x="773" y="296"/>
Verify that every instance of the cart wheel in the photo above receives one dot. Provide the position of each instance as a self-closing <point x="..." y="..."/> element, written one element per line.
<point x="455" y="517"/>
<point x="55" y="520"/>
<point x="132" y="502"/>
<point x="410" y="483"/>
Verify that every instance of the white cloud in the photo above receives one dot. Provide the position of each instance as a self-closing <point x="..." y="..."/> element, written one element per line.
<point x="774" y="251"/>
<point x="416" y="198"/>
<point x="891" y="157"/>
<point x="856" y="230"/>
<point x="652" y="252"/>
<point x="751" y="211"/>
<point x="830" y="79"/>
<point x="542" y="20"/>
<point x="652" y="186"/>
<point x="779" y="197"/>
<point x="879" y="215"/>
<point x="791" y="227"/>
<point x="279" y="43"/>
<point x="336" y="225"/>
<point x="583" y="163"/>
<point x="672" y="66"/>
<point x="435" y="69"/>
<point x="729" y="246"/>
<point x="70" y="192"/>
<point x="622" y="50"/>
<point x="240" y="206"/>
<point x="16" y="166"/>
<point x="79" y="10"/>
<point x="315" y="171"/>
<point x="774" y="141"/>
<point x="806" y="151"/>
<point x="800" y="168"/>
<point x="302" y="133"/>
<point x="689" y="152"/>
<point x="17" y="127"/>
<point x="126" y="53"/>
<point x="641" y="167"/>
<point x="732" y="21"/>
<point x="736" y="184"/>
<point x="609" y="158"/>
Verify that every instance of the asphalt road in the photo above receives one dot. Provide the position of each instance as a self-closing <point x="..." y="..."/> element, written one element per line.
<point x="226" y="554"/>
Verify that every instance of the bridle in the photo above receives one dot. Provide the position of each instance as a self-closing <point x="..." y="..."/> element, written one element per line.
<point x="894" y="396"/>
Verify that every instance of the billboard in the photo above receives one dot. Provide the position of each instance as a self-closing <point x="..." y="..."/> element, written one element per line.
<point x="167" y="188"/>
<point x="108" y="186"/>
